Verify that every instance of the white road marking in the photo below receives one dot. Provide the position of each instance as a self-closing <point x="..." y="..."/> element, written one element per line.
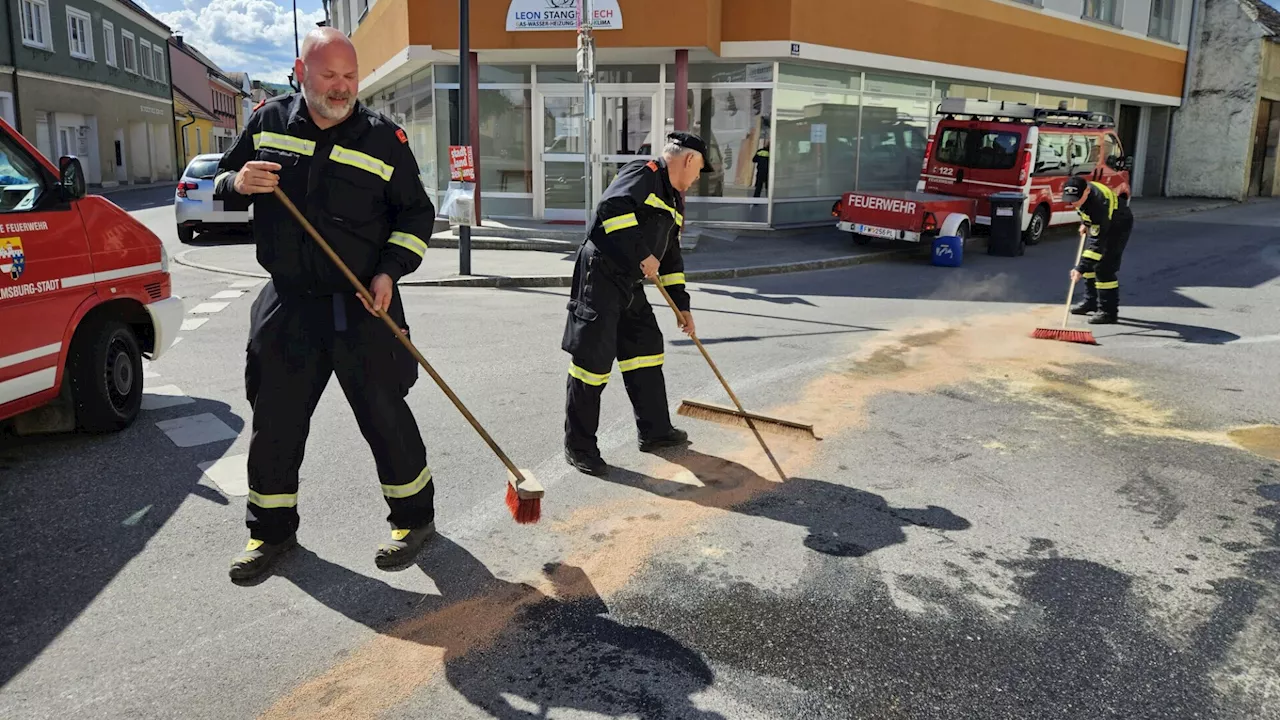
<point x="136" y="518"/>
<point x="149" y="374"/>
<point x="196" y="430"/>
<point x="230" y="474"/>
<point x="163" y="397"/>
<point x="209" y="307"/>
<point x="246" y="283"/>
<point x="176" y="341"/>
<point x="193" y="323"/>
<point x="227" y="295"/>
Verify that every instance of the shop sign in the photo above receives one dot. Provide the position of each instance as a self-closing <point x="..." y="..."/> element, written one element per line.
<point x="525" y="15"/>
<point x="462" y="167"/>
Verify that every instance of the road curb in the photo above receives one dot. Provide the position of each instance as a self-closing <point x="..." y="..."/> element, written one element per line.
<point x="567" y="280"/>
<point x="1186" y="210"/>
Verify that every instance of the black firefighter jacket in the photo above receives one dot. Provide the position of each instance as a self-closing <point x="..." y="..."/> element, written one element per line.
<point x="356" y="182"/>
<point x="641" y="214"/>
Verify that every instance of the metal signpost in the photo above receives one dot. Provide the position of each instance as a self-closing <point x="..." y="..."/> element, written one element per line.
<point x="464" y="118"/>
<point x="587" y="71"/>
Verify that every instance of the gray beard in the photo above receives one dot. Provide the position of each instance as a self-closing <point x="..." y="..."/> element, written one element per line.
<point x="319" y="104"/>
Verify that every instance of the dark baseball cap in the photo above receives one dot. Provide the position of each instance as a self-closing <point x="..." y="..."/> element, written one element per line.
<point x="1073" y="189"/>
<point x="693" y="142"/>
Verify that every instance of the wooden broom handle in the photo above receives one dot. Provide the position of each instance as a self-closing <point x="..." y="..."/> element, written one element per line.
<point x="395" y="329"/>
<point x="1071" y="289"/>
<point x="725" y="383"/>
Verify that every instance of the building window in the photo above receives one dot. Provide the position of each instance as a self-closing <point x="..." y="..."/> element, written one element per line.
<point x="144" y="58"/>
<point x="80" y="33"/>
<point x="1101" y="10"/>
<point x="159" y="63"/>
<point x="130" y="51"/>
<point x="109" y="43"/>
<point x="35" y="24"/>
<point x="1162" y="15"/>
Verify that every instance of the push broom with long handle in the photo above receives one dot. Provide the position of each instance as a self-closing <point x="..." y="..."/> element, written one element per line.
<point x="524" y="492"/>
<point x="1076" y="336"/>
<point x="749" y="418"/>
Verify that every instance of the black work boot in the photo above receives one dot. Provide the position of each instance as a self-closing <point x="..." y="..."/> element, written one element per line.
<point x="258" y="557"/>
<point x="1084" y="307"/>
<point x="674" y="438"/>
<point x="589" y="463"/>
<point x="1104" y="318"/>
<point x="404" y="546"/>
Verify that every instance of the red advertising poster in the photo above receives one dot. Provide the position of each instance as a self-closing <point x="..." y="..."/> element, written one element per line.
<point x="462" y="166"/>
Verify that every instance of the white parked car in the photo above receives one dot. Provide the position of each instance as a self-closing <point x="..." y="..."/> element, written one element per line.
<point x="193" y="205"/>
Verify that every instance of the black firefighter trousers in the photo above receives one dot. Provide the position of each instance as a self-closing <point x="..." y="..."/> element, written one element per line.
<point x="608" y="320"/>
<point x="295" y="344"/>
<point x="1102" y="286"/>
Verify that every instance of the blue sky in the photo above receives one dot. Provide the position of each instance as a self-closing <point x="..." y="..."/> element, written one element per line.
<point x="254" y="36"/>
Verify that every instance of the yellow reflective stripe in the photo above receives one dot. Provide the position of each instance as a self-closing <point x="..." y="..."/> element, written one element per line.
<point x="1092" y="255"/>
<point x="287" y="143"/>
<point x="643" y="361"/>
<point x="621" y="222"/>
<point x="587" y="377"/>
<point x="408" y="242"/>
<point x="655" y="201"/>
<point x="672" y="279"/>
<point x="409" y="489"/>
<point x="1090" y="276"/>
<point x="273" y="501"/>
<point x="1112" y="285"/>
<point x="1113" y="201"/>
<point x="358" y="159"/>
<point x="763" y="153"/>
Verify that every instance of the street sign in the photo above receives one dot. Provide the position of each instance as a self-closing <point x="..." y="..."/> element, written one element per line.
<point x="462" y="167"/>
<point x="527" y="15"/>
<point x="818" y="133"/>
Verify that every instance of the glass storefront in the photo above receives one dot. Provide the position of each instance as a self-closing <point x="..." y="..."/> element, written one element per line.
<point x="786" y="140"/>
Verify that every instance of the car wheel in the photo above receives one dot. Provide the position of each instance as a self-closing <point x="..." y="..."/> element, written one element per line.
<point x="1037" y="227"/>
<point x="106" y="375"/>
<point x="186" y="234"/>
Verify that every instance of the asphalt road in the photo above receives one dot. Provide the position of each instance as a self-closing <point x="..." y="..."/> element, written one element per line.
<point x="989" y="527"/>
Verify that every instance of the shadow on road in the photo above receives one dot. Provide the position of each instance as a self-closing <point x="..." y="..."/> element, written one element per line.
<point x="76" y="509"/>
<point x="841" y="520"/>
<point x="509" y="649"/>
<point x="1194" y="334"/>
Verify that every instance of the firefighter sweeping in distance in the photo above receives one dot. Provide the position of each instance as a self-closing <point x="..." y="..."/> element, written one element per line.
<point x="635" y="234"/>
<point x="1108" y="221"/>
<point x="351" y="173"/>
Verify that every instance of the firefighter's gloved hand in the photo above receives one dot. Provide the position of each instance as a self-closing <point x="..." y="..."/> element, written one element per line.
<point x="256" y="177"/>
<point x="381" y="288"/>
<point x="649" y="266"/>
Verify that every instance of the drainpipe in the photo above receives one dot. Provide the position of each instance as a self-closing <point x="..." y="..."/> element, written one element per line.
<point x="1193" y="36"/>
<point x="182" y="132"/>
<point x="13" y="62"/>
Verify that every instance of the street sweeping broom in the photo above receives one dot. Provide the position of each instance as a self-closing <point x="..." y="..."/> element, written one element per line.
<point x="524" y="492"/>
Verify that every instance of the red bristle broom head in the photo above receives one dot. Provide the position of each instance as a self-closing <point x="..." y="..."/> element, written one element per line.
<point x="524" y="497"/>
<point x="1075" y="336"/>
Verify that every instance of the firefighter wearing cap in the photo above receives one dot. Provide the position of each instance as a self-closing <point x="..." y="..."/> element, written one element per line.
<point x="1107" y="221"/>
<point x="635" y="234"/>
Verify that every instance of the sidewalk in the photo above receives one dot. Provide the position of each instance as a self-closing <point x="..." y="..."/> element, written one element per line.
<point x="106" y="191"/>
<point x="720" y="254"/>
<point x="715" y="259"/>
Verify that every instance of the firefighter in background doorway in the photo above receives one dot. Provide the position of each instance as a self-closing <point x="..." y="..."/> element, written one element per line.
<point x="761" y="159"/>
<point x="1108" y="221"/>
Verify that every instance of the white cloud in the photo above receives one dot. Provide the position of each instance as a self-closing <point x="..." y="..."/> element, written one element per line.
<point x="254" y="36"/>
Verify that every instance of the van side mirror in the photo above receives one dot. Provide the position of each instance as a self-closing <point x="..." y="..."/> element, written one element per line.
<point x="71" y="178"/>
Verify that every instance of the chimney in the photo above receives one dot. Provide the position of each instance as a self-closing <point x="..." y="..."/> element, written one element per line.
<point x="178" y="38"/>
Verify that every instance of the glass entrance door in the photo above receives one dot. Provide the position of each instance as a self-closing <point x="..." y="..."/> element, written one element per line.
<point x="563" y="174"/>
<point x="624" y="132"/>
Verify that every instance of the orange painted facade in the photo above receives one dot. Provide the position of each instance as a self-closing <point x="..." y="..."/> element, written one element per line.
<point x="978" y="34"/>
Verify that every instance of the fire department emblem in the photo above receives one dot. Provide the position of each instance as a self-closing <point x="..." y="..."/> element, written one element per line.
<point x="12" y="259"/>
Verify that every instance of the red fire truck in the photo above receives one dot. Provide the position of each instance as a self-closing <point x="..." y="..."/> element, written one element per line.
<point x="983" y="147"/>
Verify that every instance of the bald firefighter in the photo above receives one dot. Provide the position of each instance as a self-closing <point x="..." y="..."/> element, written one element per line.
<point x="635" y="234"/>
<point x="1108" y="221"/>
